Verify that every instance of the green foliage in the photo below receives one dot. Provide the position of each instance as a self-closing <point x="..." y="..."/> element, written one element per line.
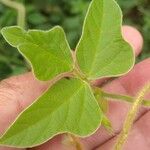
<point x="69" y="14"/>
<point x="69" y="105"/>
<point x="50" y="48"/>
<point x="102" y="52"/>
<point x="73" y="109"/>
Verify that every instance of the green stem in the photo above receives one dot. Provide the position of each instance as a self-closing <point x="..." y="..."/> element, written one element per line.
<point x="20" y="9"/>
<point x="130" y="118"/>
<point x="77" y="70"/>
<point x="125" y="98"/>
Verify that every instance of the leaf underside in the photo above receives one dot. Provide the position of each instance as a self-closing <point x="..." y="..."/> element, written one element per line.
<point x="101" y="51"/>
<point x="68" y="106"/>
<point x="47" y="51"/>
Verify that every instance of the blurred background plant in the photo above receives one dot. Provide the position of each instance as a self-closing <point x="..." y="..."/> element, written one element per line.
<point x="44" y="14"/>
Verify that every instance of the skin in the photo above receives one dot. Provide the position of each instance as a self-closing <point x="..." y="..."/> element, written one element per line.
<point x="16" y="93"/>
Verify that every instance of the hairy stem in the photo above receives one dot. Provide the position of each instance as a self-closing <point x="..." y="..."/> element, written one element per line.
<point x="130" y="118"/>
<point x="20" y="9"/>
<point x="125" y="98"/>
<point x="77" y="70"/>
<point x="73" y="141"/>
<point x="76" y="142"/>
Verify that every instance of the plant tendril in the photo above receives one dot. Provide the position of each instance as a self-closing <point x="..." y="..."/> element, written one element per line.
<point x="130" y="118"/>
<point x="20" y="9"/>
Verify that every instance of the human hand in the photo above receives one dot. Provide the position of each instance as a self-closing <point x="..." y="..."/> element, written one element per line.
<point x="19" y="92"/>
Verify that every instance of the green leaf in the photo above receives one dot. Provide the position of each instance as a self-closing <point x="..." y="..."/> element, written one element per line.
<point x="101" y="51"/>
<point x="14" y="35"/>
<point x="68" y="106"/>
<point x="47" y="51"/>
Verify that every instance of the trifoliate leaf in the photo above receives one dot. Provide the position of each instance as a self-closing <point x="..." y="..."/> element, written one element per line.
<point x="68" y="106"/>
<point x="47" y="51"/>
<point x="101" y="51"/>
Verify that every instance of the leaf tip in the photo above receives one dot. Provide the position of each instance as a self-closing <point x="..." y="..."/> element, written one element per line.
<point x="12" y="35"/>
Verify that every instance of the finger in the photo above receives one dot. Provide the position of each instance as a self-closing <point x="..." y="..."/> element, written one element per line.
<point x="134" y="38"/>
<point x="129" y="85"/>
<point x="137" y="78"/>
<point x="57" y="143"/>
<point x="15" y="94"/>
<point x="139" y="137"/>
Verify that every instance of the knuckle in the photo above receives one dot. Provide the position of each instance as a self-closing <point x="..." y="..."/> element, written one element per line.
<point x="9" y="94"/>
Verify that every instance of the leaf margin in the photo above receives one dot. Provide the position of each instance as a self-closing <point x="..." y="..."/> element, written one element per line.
<point x="121" y="35"/>
<point x="63" y="132"/>
<point x="26" y="58"/>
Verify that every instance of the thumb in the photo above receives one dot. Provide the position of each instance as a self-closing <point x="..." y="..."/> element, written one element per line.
<point x="17" y="93"/>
